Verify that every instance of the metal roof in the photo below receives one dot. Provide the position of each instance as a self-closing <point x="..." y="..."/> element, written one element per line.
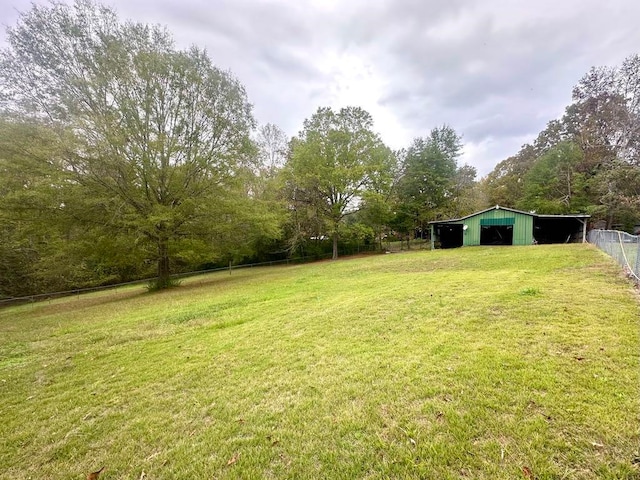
<point x="577" y="215"/>
<point x="498" y="207"/>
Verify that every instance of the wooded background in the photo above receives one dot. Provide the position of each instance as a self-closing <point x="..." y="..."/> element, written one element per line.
<point x="122" y="157"/>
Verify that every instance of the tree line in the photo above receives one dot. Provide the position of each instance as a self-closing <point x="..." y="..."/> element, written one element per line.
<point x="587" y="161"/>
<point x="123" y="157"/>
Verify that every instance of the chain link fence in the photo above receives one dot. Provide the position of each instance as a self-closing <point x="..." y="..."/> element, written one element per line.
<point x="623" y="247"/>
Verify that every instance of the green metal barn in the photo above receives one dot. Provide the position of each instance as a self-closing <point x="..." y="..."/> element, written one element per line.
<point x="506" y="226"/>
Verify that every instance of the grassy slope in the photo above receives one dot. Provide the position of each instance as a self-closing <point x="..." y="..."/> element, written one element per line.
<point x="449" y="364"/>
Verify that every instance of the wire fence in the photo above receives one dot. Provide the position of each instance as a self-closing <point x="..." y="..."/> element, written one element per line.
<point x="623" y="247"/>
<point x="114" y="287"/>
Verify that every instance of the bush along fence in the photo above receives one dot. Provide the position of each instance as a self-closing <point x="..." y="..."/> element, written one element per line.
<point x="624" y="248"/>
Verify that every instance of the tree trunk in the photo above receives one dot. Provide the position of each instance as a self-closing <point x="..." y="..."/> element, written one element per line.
<point x="164" y="272"/>
<point x="609" y="220"/>
<point x="335" y="245"/>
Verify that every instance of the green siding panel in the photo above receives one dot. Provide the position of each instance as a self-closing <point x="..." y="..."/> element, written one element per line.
<point x="522" y="226"/>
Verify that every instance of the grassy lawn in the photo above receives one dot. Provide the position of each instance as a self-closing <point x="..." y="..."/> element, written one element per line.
<point x="479" y="363"/>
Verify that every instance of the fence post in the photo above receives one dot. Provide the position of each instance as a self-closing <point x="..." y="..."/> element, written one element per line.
<point x="637" y="272"/>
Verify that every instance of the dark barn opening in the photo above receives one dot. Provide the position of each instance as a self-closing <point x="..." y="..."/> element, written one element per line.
<point x="557" y="229"/>
<point x="496" y="235"/>
<point x="451" y="236"/>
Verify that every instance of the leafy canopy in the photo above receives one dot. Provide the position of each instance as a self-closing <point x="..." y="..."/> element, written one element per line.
<point x="159" y="136"/>
<point x="335" y="159"/>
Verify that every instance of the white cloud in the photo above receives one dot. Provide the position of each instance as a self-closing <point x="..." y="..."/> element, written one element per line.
<point x="495" y="70"/>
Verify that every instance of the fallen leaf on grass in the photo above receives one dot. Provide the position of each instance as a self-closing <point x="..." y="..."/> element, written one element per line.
<point x="95" y="475"/>
<point x="597" y="445"/>
<point x="233" y="459"/>
<point x="528" y="474"/>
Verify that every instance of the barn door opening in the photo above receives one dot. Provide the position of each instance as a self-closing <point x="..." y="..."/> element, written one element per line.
<point x="496" y="235"/>
<point x="451" y="236"/>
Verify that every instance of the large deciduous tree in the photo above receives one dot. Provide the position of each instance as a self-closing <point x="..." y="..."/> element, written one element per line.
<point x="554" y="185"/>
<point x="334" y="160"/>
<point x="160" y="135"/>
<point x="427" y="184"/>
<point x="273" y="148"/>
<point x="605" y="120"/>
<point x="605" y="115"/>
<point x="468" y="196"/>
<point x="505" y="184"/>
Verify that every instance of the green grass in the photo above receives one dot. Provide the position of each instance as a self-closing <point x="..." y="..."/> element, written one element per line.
<point x="468" y="363"/>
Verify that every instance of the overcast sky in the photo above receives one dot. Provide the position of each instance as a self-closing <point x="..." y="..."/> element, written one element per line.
<point x="495" y="70"/>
